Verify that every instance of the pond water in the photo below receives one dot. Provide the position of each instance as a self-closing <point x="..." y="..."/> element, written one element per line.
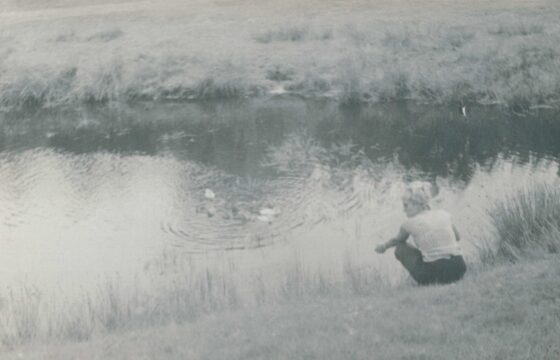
<point x="96" y="191"/>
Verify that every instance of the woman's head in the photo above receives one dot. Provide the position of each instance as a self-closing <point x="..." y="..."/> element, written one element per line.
<point x="415" y="201"/>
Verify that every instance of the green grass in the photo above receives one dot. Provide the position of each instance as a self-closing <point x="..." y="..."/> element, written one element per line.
<point x="487" y="52"/>
<point x="528" y="221"/>
<point x="508" y="312"/>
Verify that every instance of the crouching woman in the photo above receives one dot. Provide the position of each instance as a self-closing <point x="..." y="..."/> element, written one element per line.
<point x="437" y="257"/>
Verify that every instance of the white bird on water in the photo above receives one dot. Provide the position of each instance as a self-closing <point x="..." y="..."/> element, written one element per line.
<point x="267" y="214"/>
<point x="209" y="194"/>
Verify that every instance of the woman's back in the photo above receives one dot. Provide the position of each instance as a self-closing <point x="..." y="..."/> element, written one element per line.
<point x="433" y="234"/>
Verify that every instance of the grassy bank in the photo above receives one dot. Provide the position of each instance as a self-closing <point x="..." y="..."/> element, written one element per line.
<point x="508" y="312"/>
<point x="435" y="51"/>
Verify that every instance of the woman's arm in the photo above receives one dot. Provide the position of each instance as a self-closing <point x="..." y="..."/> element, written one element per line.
<point x="401" y="237"/>
<point x="457" y="236"/>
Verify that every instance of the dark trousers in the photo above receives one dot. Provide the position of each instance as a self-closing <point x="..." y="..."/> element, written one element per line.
<point x="442" y="271"/>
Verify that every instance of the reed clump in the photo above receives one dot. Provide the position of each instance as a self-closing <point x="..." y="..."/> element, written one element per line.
<point x="527" y="221"/>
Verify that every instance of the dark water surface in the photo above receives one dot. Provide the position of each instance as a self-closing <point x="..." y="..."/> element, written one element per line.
<point x="93" y="191"/>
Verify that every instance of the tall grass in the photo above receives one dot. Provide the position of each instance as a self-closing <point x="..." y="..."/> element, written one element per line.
<point x="28" y="315"/>
<point x="528" y="221"/>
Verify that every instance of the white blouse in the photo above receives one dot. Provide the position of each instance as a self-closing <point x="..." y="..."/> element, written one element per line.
<point x="432" y="232"/>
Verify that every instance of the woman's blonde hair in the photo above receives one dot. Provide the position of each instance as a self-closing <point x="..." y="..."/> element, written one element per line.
<point x="417" y="195"/>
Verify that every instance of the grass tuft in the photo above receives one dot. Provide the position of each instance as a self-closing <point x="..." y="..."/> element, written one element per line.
<point x="457" y="37"/>
<point x="215" y="89"/>
<point x="22" y="314"/>
<point x="106" y="35"/>
<point x="289" y="34"/>
<point x="516" y="29"/>
<point x="278" y="73"/>
<point x="528" y="221"/>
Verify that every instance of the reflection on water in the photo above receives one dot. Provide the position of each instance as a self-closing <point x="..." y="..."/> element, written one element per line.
<point x="101" y="191"/>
